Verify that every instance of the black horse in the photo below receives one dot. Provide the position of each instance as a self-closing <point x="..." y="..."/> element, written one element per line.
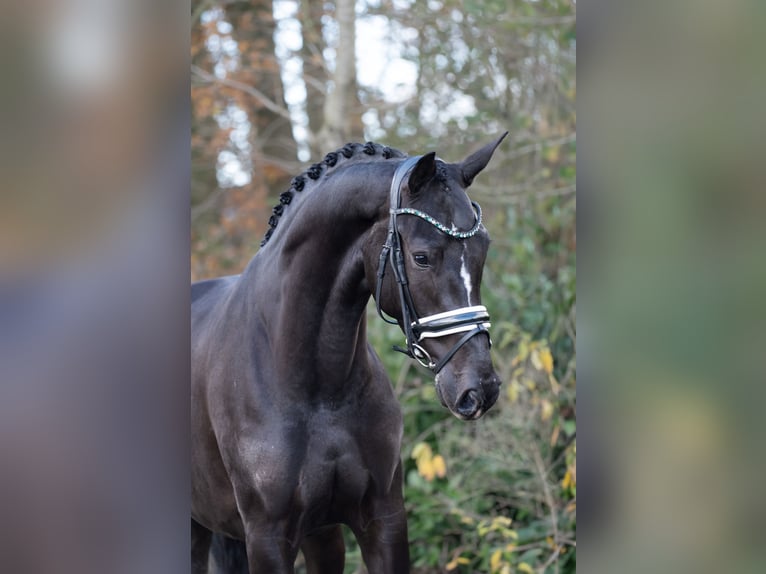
<point x="295" y="426"/>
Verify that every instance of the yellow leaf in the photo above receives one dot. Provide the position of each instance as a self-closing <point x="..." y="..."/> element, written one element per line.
<point x="467" y="520"/>
<point x="552" y="154"/>
<point x="546" y="359"/>
<point x="483" y="528"/>
<point x="452" y="564"/>
<point x="502" y="521"/>
<point x="524" y="567"/>
<point x="506" y="569"/>
<point x="420" y="450"/>
<point x="513" y="391"/>
<point x="555" y="387"/>
<point x="494" y="561"/>
<point x="549" y="540"/>
<point x="567" y="480"/>
<point x="537" y="362"/>
<point x="546" y="409"/>
<point x="426" y="468"/>
<point x="440" y="468"/>
<point x="463" y="560"/>
<point x="510" y="547"/>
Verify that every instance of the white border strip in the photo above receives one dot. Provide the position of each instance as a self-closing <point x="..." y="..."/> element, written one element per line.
<point x="460" y="329"/>
<point x="474" y="309"/>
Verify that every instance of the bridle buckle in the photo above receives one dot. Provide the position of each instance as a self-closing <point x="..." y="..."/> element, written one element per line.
<point x="422" y="356"/>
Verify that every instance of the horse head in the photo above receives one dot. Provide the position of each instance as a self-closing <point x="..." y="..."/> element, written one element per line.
<point x="428" y="276"/>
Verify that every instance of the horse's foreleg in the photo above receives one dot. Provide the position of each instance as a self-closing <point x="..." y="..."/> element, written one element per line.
<point x="325" y="551"/>
<point x="229" y="555"/>
<point x="200" y="547"/>
<point x="383" y="541"/>
<point x="384" y="545"/>
<point x="270" y="552"/>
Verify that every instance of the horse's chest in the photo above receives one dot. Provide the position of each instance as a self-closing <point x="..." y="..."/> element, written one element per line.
<point x="324" y="473"/>
<point x="335" y="471"/>
<point x="332" y="477"/>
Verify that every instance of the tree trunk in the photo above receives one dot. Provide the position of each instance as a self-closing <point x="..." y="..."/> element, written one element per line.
<point x="230" y="222"/>
<point x="271" y="134"/>
<point x="342" y="121"/>
<point x="314" y="68"/>
<point x="254" y="29"/>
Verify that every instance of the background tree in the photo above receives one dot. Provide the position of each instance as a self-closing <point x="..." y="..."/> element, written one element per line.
<point x="341" y="107"/>
<point x="278" y="84"/>
<point x="242" y="141"/>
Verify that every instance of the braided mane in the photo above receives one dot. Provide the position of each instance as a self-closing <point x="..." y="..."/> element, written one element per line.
<point x="329" y="163"/>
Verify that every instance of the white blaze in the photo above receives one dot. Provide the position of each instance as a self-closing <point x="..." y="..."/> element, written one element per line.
<point x="466" y="277"/>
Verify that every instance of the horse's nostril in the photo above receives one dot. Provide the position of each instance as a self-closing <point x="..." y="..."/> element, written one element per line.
<point x="469" y="403"/>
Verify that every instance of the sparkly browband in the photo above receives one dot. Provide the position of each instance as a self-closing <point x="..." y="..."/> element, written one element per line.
<point x="439" y="225"/>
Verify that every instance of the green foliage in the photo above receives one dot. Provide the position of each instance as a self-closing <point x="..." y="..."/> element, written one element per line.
<point x="507" y="501"/>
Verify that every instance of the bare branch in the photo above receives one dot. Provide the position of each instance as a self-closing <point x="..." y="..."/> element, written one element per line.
<point x="319" y="85"/>
<point x="550" y="503"/>
<point x="537" y="146"/>
<point x="285" y="165"/>
<point x="551" y="558"/>
<point x="206" y="204"/>
<point x="551" y="21"/>
<point x="257" y="94"/>
<point x="521" y="193"/>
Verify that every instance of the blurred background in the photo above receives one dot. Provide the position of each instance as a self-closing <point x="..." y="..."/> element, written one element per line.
<point x="278" y="84"/>
<point x="94" y="313"/>
<point x="672" y="276"/>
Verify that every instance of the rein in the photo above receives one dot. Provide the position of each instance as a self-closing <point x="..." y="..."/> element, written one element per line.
<point x="470" y="320"/>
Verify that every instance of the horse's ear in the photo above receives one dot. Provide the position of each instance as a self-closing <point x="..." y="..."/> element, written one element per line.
<point x="423" y="171"/>
<point x="478" y="160"/>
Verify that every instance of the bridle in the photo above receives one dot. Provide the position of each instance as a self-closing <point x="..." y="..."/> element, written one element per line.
<point x="470" y="320"/>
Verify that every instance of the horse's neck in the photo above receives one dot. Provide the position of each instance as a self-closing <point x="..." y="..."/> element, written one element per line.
<point x="318" y="327"/>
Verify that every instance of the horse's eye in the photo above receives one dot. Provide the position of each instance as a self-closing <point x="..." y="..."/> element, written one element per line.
<point x="421" y="259"/>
